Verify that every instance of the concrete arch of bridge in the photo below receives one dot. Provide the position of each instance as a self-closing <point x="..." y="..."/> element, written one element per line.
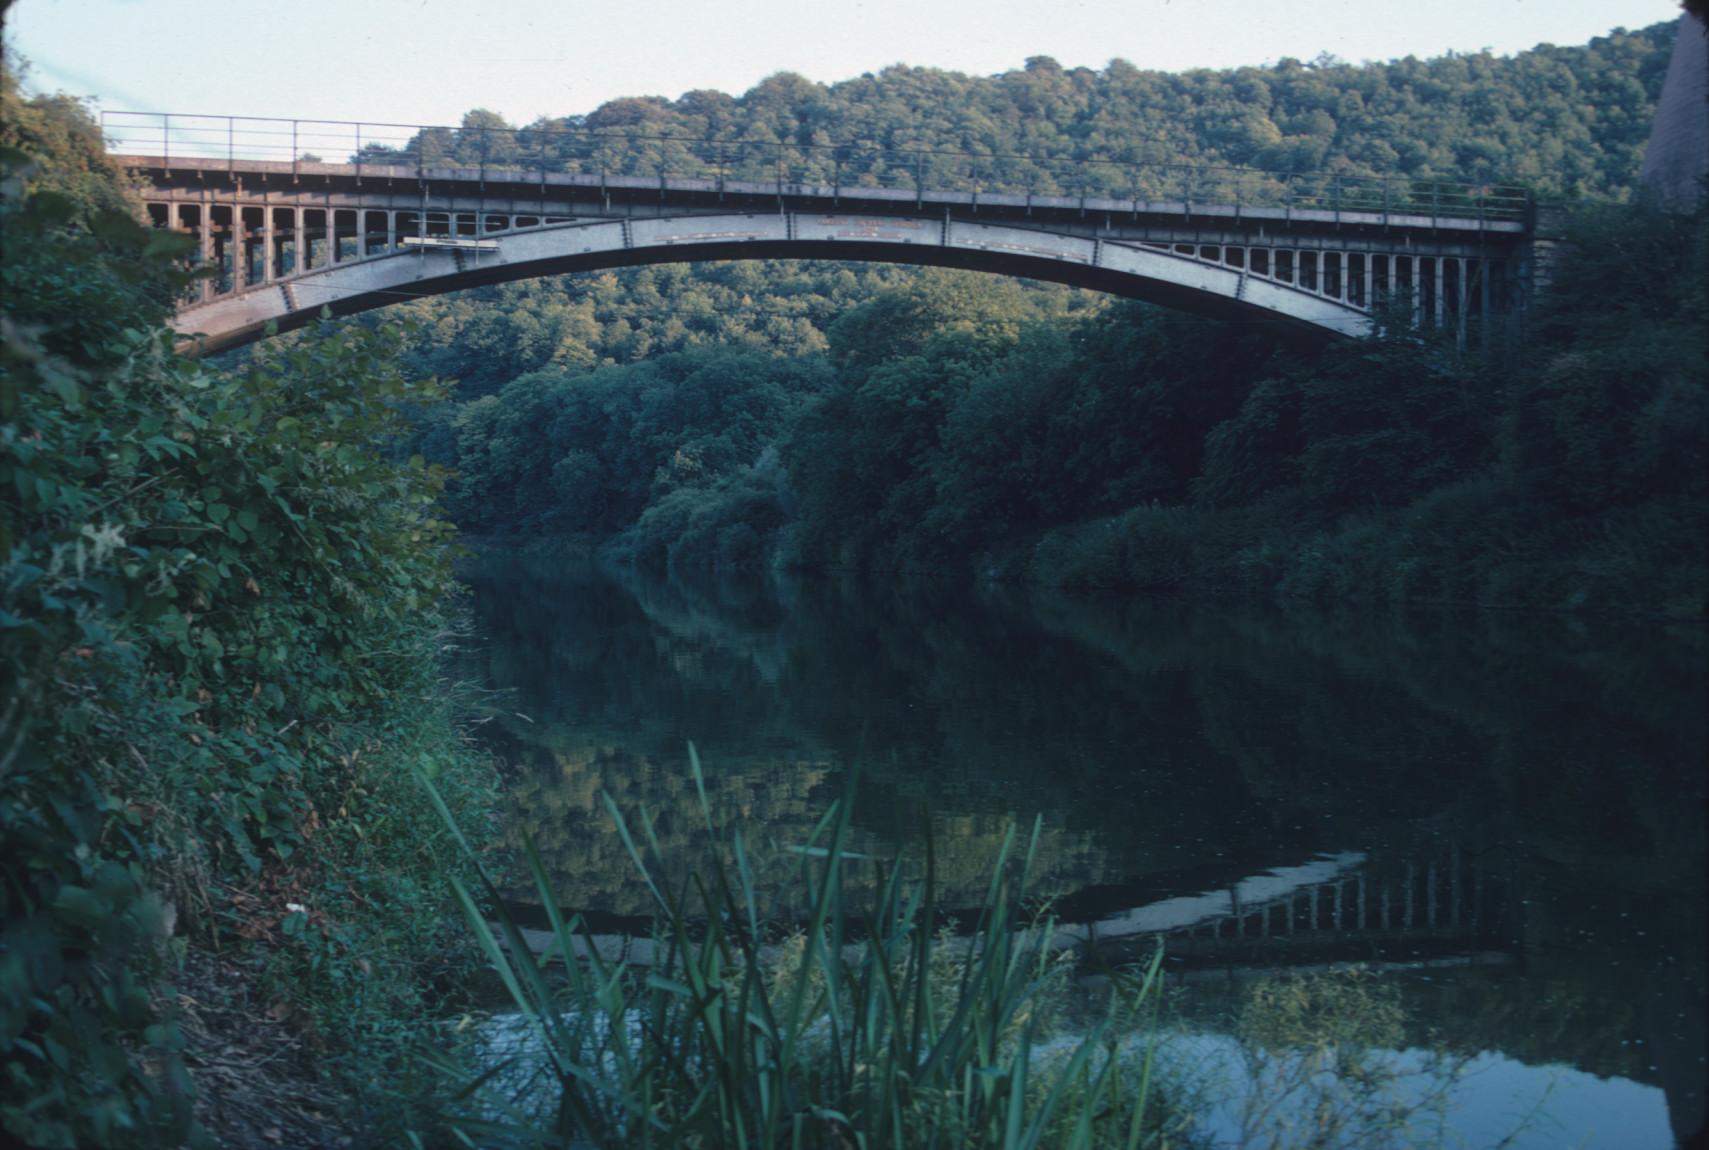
<point x="1124" y="269"/>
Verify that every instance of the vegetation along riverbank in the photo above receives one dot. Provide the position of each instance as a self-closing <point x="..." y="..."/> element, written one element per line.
<point x="824" y="415"/>
<point x="224" y="900"/>
<point x="232" y="914"/>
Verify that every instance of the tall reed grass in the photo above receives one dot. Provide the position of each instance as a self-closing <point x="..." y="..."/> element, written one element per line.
<point x="870" y="1028"/>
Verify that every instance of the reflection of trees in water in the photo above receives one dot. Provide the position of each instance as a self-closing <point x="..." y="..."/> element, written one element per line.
<point x="1170" y="733"/>
<point x="1155" y="739"/>
<point x="776" y="804"/>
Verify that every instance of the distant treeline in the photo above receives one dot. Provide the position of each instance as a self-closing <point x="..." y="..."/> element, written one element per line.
<point x="820" y="414"/>
<point x="1565" y="121"/>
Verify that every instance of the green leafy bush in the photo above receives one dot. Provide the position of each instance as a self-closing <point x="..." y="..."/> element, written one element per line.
<point x="216" y="597"/>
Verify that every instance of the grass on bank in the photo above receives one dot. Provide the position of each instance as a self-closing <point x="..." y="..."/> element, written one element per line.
<point x="868" y="1029"/>
<point x="222" y="607"/>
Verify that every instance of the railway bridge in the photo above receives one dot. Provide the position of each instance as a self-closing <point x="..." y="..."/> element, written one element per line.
<point x="413" y="211"/>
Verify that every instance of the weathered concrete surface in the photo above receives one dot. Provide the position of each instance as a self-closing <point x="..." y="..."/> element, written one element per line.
<point x="1677" y="159"/>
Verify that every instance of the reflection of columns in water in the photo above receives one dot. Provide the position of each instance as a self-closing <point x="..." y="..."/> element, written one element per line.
<point x="1454" y="885"/>
<point x="1394" y="896"/>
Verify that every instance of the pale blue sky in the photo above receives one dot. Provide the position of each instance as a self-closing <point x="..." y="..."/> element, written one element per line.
<point x="428" y="61"/>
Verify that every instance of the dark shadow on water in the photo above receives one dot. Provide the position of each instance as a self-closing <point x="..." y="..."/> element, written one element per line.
<point x="1524" y="787"/>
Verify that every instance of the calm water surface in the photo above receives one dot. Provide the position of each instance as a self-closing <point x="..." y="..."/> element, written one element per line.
<point x="1503" y="816"/>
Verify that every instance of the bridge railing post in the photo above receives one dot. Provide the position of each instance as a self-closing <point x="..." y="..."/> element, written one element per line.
<point x="230" y="144"/>
<point x="166" y="138"/>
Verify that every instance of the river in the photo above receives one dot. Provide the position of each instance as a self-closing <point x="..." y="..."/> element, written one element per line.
<point x="1500" y="816"/>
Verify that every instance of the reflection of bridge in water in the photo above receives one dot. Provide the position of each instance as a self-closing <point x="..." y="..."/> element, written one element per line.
<point x="1340" y="906"/>
<point x="1334" y="907"/>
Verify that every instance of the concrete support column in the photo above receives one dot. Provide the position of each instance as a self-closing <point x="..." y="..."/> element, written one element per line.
<point x="391" y="231"/>
<point x="269" y="243"/>
<point x="1438" y="307"/>
<point x="331" y="235"/>
<point x="204" y="247"/>
<point x="1417" y="321"/>
<point x="239" y="246"/>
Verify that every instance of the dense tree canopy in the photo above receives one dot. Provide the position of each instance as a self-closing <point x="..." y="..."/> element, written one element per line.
<point x="818" y="413"/>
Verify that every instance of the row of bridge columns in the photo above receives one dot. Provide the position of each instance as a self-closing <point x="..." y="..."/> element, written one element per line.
<point x="1440" y="291"/>
<point x="255" y="244"/>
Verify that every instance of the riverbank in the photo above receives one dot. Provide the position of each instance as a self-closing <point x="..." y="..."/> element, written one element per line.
<point x="223" y="615"/>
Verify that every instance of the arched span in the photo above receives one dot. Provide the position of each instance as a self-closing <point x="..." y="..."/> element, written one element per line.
<point x="1139" y="271"/>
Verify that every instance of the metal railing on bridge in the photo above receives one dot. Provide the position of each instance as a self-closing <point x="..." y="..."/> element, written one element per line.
<point x="229" y="142"/>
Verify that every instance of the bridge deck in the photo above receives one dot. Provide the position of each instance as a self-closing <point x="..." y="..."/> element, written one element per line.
<point x="545" y="188"/>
